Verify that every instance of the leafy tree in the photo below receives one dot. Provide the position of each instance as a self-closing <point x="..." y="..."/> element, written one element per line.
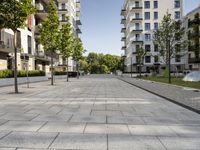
<point x="78" y="51"/>
<point x="49" y="33"/>
<point x="13" y="15"/>
<point x="170" y="40"/>
<point x="140" y="58"/>
<point x="83" y="65"/>
<point x="66" y="42"/>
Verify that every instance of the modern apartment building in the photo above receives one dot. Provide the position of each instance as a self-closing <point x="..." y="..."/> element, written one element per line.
<point x="192" y="25"/>
<point x="30" y="52"/>
<point x="65" y="8"/>
<point x="140" y="18"/>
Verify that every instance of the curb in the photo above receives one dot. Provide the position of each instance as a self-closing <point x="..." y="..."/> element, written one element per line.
<point x="169" y="99"/>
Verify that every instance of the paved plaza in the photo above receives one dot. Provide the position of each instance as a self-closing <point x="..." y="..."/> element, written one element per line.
<point x="93" y="113"/>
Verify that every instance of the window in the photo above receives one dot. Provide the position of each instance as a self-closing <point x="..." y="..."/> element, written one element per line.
<point x="177" y="4"/>
<point x="147" y="4"/>
<point x="63" y="6"/>
<point x="137" y="26"/>
<point x="63" y="17"/>
<point x="147" y="59"/>
<point x="177" y="15"/>
<point x="137" y="47"/>
<point x="156" y="59"/>
<point x="137" y="4"/>
<point x="155" y="15"/>
<point x="155" y="26"/>
<point x="155" y="3"/>
<point x="155" y="48"/>
<point x="147" y="37"/>
<point x="178" y="58"/>
<point x="29" y="44"/>
<point x="147" y="48"/>
<point x="147" y="15"/>
<point x="137" y="36"/>
<point x="147" y="26"/>
<point x="137" y="15"/>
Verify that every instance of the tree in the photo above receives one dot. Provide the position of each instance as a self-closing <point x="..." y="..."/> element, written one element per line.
<point x="78" y="51"/>
<point x="13" y="15"/>
<point x="49" y="33"/>
<point x="140" y="58"/>
<point x="170" y="40"/>
<point x="66" y="42"/>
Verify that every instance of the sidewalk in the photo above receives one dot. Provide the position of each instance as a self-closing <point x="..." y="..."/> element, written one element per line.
<point x="186" y="97"/>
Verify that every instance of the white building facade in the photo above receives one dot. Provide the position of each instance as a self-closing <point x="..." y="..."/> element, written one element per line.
<point x="140" y="18"/>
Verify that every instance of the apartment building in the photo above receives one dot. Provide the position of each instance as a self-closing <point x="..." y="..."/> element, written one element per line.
<point x="31" y="54"/>
<point x="25" y="53"/>
<point x="192" y="25"/>
<point x="65" y="8"/>
<point x="140" y="18"/>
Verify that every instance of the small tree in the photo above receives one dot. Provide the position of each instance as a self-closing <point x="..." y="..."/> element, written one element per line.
<point x="78" y="51"/>
<point x="49" y="33"/>
<point x="13" y="15"/>
<point x="140" y="58"/>
<point x="65" y="40"/>
<point x="170" y="40"/>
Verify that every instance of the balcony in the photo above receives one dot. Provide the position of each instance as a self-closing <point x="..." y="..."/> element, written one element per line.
<point x="123" y="38"/>
<point x="137" y="19"/>
<point x="41" y="13"/>
<point x="123" y="47"/>
<point x="62" y="10"/>
<point x="78" y="30"/>
<point x="78" y="22"/>
<point x="123" y="30"/>
<point x="123" y="21"/>
<point x="123" y="12"/>
<point x="136" y="29"/>
<point x="78" y="4"/>
<point x="136" y="40"/>
<point x="40" y="55"/>
<point x="137" y="7"/>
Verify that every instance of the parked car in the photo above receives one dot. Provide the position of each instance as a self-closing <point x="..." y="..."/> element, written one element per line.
<point x="193" y="76"/>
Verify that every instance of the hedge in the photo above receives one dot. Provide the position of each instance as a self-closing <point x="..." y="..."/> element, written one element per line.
<point x="21" y="73"/>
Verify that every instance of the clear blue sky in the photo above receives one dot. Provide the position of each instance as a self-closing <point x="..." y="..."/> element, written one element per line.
<point x="101" y="24"/>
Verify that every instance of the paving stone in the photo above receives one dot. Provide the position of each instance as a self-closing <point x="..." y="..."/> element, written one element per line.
<point x="18" y="116"/>
<point x="151" y="130"/>
<point x="88" y="119"/>
<point x="182" y="143"/>
<point x="59" y="118"/>
<point x="106" y="113"/>
<point x="80" y="141"/>
<point x="106" y="129"/>
<point x="127" y="142"/>
<point x="21" y="126"/>
<point x="63" y="127"/>
<point x="125" y="120"/>
<point x="28" y="140"/>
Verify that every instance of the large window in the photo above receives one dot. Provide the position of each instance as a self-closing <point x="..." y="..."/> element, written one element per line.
<point x="137" y="4"/>
<point x="177" y="15"/>
<point x="178" y="58"/>
<point x="147" y="48"/>
<point x="29" y="44"/>
<point x="155" y="15"/>
<point x="147" y="26"/>
<point x="156" y="59"/>
<point x="147" y="4"/>
<point x="147" y="37"/>
<point x="155" y="3"/>
<point x="147" y="59"/>
<point x="177" y="4"/>
<point x="155" y="26"/>
<point x="147" y="15"/>
<point x="137" y="26"/>
<point x="155" y="48"/>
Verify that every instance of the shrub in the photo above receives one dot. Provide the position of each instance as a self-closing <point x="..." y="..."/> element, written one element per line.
<point x="21" y="73"/>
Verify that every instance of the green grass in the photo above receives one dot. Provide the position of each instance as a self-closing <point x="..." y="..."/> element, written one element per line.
<point x="175" y="81"/>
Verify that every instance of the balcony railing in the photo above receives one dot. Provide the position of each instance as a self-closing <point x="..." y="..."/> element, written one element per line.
<point x="123" y="30"/>
<point x="123" y="21"/>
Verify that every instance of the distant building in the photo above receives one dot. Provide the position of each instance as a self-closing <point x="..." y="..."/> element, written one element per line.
<point x="140" y="18"/>
<point x="192" y="25"/>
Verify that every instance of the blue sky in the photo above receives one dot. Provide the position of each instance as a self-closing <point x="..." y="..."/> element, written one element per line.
<point x="101" y="24"/>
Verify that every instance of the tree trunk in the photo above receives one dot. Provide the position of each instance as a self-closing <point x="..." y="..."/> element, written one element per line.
<point x="51" y="68"/>
<point x="67" y="71"/>
<point x="15" y="63"/>
<point x="77" y="66"/>
<point x="169" y="59"/>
